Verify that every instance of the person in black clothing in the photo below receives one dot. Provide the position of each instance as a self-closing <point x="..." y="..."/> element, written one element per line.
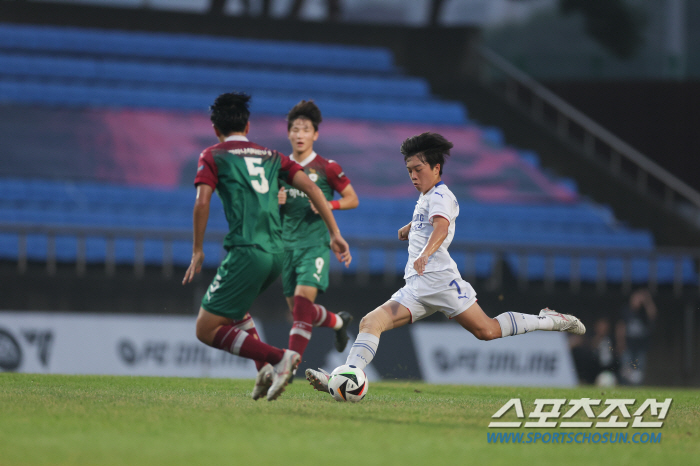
<point x="633" y="336"/>
<point x="594" y="354"/>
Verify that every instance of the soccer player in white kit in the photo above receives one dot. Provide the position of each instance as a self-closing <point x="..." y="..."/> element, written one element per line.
<point x="433" y="282"/>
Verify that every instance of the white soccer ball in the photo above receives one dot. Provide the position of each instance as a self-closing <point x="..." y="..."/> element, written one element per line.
<point x="348" y="383"/>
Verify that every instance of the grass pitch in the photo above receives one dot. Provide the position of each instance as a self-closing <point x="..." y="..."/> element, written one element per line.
<point x="104" y="420"/>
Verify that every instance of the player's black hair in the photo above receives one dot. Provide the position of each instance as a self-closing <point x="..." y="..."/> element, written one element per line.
<point x="230" y="112"/>
<point x="430" y="148"/>
<point x="307" y="110"/>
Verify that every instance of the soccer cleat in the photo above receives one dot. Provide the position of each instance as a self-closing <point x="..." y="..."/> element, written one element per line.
<point x="341" y="335"/>
<point x="262" y="382"/>
<point x="282" y="372"/>
<point x="564" y="322"/>
<point x="318" y="379"/>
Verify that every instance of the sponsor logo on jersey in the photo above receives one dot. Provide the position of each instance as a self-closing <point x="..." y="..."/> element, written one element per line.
<point x="294" y="192"/>
<point x="251" y="151"/>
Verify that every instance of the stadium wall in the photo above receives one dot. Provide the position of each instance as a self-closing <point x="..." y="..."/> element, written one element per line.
<point x="669" y="357"/>
<point x="152" y="345"/>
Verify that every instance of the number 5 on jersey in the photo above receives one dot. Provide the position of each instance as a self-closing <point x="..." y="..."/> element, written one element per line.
<point x="252" y="163"/>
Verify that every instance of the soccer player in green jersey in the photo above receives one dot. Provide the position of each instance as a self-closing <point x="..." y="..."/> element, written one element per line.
<point x="246" y="177"/>
<point x="306" y="252"/>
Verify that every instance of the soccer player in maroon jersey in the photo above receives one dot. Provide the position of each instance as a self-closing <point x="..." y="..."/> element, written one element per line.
<point x="306" y="253"/>
<point x="246" y="177"/>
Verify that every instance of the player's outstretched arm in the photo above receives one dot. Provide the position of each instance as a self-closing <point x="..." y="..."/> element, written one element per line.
<point x="440" y="229"/>
<point x="200" y="217"/>
<point x="338" y="245"/>
<point x="403" y="232"/>
<point x="348" y="198"/>
<point x="347" y="201"/>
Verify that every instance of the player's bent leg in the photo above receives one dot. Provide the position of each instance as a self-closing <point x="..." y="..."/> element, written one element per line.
<point x="324" y="318"/>
<point x="308" y="292"/>
<point x="475" y="320"/>
<point x="247" y="324"/>
<point x="307" y="315"/>
<point x="387" y="316"/>
<point x="515" y="323"/>
<point x="208" y="324"/>
<point x="219" y="332"/>
<point x="303" y="314"/>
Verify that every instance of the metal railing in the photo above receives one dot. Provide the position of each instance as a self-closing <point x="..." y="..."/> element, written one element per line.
<point x="595" y="142"/>
<point x="362" y="248"/>
<point x="110" y="235"/>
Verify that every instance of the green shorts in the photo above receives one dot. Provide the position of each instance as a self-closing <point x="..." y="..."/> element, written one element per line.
<point x="244" y="273"/>
<point x="305" y="266"/>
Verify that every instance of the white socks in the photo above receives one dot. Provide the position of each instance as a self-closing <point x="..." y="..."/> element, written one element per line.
<point x="515" y="323"/>
<point x="512" y="323"/>
<point x="363" y="350"/>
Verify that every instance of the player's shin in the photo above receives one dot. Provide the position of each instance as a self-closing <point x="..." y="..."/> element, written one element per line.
<point x="303" y="313"/>
<point x="238" y="342"/>
<point x="363" y="350"/>
<point x="325" y="318"/>
<point x="515" y="323"/>
<point x="248" y="325"/>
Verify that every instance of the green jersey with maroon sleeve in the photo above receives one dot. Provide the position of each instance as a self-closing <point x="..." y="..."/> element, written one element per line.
<point x="301" y="227"/>
<point x="246" y="177"/>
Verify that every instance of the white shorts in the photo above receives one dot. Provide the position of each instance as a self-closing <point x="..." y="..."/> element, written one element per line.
<point x="442" y="291"/>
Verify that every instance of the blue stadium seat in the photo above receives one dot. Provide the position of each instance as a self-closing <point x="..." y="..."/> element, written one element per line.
<point x="71" y="67"/>
<point x="102" y="96"/>
<point x="103" y="43"/>
<point x="89" y="204"/>
<point x="196" y="77"/>
<point x="640" y="269"/>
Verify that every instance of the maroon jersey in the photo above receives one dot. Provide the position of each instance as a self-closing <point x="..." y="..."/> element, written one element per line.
<point x="301" y="227"/>
<point x="247" y="177"/>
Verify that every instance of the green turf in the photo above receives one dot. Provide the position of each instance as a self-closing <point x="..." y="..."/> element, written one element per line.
<point x="104" y="420"/>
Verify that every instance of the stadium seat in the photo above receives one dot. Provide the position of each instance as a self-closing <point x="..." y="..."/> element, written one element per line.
<point x="73" y="68"/>
<point x="101" y="43"/>
<point x="79" y="67"/>
<point x="197" y="77"/>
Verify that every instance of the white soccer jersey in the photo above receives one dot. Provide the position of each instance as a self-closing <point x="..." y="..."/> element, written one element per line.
<point x="439" y="201"/>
